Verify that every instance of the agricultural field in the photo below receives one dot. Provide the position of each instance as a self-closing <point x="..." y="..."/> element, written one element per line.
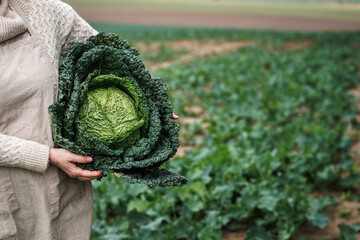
<point x="270" y="125"/>
<point x="296" y="15"/>
<point x="339" y="10"/>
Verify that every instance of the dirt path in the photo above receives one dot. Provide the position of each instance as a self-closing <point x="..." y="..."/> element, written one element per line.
<point x="221" y="20"/>
<point x="192" y="50"/>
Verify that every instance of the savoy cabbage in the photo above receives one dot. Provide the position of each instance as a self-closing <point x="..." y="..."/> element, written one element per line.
<point x="111" y="108"/>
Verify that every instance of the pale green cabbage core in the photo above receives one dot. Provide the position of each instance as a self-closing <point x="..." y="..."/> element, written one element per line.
<point x="110" y="115"/>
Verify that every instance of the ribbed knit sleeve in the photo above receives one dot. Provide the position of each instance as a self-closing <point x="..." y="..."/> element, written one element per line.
<point x="30" y="155"/>
<point x="79" y="31"/>
<point x="11" y="24"/>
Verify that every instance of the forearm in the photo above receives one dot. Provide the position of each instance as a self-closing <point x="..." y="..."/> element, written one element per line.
<point x="20" y="153"/>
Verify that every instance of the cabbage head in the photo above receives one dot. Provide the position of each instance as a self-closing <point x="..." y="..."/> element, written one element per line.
<point x="110" y="107"/>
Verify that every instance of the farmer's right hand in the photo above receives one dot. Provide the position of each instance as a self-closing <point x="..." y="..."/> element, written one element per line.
<point x="67" y="160"/>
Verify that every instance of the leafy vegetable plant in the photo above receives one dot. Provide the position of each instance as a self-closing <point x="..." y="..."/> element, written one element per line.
<point x="111" y="108"/>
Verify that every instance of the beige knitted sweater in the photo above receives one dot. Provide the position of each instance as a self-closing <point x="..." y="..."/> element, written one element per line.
<point x="57" y="24"/>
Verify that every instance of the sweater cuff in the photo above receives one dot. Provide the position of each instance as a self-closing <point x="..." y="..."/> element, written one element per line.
<point x="35" y="157"/>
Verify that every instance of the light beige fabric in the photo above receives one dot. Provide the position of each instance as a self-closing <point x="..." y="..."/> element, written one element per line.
<point x="11" y="23"/>
<point x="56" y="24"/>
<point x="37" y="201"/>
<point x="24" y="97"/>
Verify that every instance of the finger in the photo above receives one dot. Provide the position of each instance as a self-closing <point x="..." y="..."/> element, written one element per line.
<point x="80" y="159"/>
<point x="78" y="172"/>
<point x="175" y="116"/>
<point x="86" y="179"/>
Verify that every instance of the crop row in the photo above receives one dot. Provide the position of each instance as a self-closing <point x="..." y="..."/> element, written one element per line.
<point x="276" y="122"/>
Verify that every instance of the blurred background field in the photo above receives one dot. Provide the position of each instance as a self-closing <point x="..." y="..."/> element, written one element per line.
<point x="290" y="15"/>
<point x="270" y="124"/>
<point x="343" y="10"/>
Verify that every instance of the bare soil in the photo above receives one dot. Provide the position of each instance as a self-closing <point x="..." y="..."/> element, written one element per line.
<point x="193" y="49"/>
<point x="291" y="45"/>
<point x="200" y="117"/>
<point x="239" y="21"/>
<point x="345" y="212"/>
<point x="240" y="235"/>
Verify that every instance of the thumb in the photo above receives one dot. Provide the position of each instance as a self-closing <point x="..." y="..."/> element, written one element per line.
<point x="80" y="159"/>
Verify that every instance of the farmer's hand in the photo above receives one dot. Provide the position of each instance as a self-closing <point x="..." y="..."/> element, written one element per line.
<point x="66" y="160"/>
<point x="174" y="117"/>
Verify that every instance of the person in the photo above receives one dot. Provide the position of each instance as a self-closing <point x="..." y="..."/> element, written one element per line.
<point x="43" y="194"/>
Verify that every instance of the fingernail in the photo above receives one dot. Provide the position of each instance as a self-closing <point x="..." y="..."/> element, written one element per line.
<point x="89" y="159"/>
<point x="175" y="116"/>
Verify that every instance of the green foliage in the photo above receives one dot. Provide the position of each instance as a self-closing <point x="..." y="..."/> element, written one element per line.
<point x="348" y="232"/>
<point x="345" y="213"/>
<point x="160" y="33"/>
<point x="276" y="133"/>
<point x="101" y="65"/>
